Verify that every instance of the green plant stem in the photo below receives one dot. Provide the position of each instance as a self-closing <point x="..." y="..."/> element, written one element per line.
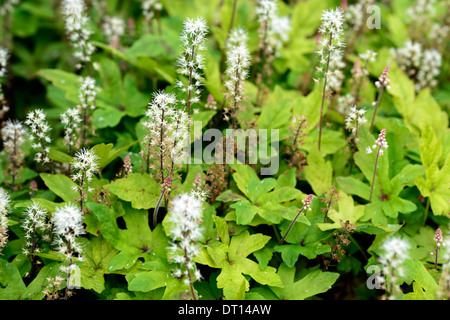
<point x="323" y="92"/>
<point x="374" y="173"/>
<point x="358" y="246"/>
<point x="376" y="107"/>
<point x="68" y="272"/>
<point x="291" y="225"/>
<point x="277" y="234"/>
<point x="158" y="204"/>
<point x="436" y="257"/>
<point x="191" y="284"/>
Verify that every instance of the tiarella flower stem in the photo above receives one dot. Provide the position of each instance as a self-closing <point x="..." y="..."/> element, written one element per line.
<point x="374" y="173"/>
<point x="359" y="85"/>
<point x="69" y="250"/>
<point x="191" y="284"/>
<point x="376" y="107"/>
<point x="328" y="208"/>
<point x="188" y="102"/>
<point x="291" y="225"/>
<point x="158" y="204"/>
<point x="436" y="253"/>
<point x="324" y="92"/>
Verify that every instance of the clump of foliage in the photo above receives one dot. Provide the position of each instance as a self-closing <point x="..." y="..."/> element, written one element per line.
<point x="99" y="98"/>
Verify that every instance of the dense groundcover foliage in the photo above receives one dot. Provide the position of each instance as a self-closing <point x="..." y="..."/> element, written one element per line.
<point x="337" y="188"/>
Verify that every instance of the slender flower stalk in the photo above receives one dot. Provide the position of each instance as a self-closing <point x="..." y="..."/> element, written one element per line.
<point x="71" y="120"/>
<point x="296" y="139"/>
<point x="85" y="165"/>
<point x="438" y="238"/>
<point x="306" y="206"/>
<point x="36" y="120"/>
<point x="353" y="121"/>
<point x="359" y="72"/>
<point x="330" y="50"/>
<point x="68" y="225"/>
<point x="395" y="252"/>
<point x="380" y="143"/>
<point x="4" y="211"/>
<point x="13" y="136"/>
<point x="185" y="231"/>
<point x="238" y="62"/>
<point x="383" y="82"/>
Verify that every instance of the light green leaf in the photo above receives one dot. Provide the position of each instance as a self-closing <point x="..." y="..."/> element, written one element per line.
<point x="318" y="172"/>
<point x="313" y="283"/>
<point x="139" y="189"/>
<point x="97" y="254"/>
<point x="61" y="185"/>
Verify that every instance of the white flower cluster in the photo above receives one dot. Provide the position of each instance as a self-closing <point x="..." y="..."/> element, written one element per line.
<point x="380" y="142"/>
<point x="238" y="36"/>
<point x="355" y="14"/>
<point x="307" y="202"/>
<point x="164" y="118"/>
<point x="4" y="209"/>
<point x="275" y="29"/>
<point x="85" y="165"/>
<point x="383" y="80"/>
<point x="13" y="136"/>
<point x="191" y="59"/>
<point x="335" y="75"/>
<point x="421" y="11"/>
<point x="429" y="70"/>
<point x="438" y="33"/>
<point x="36" y="121"/>
<point x="238" y="63"/>
<point x="330" y="48"/>
<point x="421" y="65"/>
<point x="4" y="56"/>
<point x="199" y="191"/>
<point x="185" y="231"/>
<point x="87" y="93"/>
<point x="356" y="117"/>
<point x="367" y="56"/>
<point x="395" y="252"/>
<point x="68" y="225"/>
<point x="7" y="7"/>
<point x="70" y="119"/>
<point x="113" y="28"/>
<point x="149" y="7"/>
<point x="77" y="29"/>
<point x="35" y="220"/>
